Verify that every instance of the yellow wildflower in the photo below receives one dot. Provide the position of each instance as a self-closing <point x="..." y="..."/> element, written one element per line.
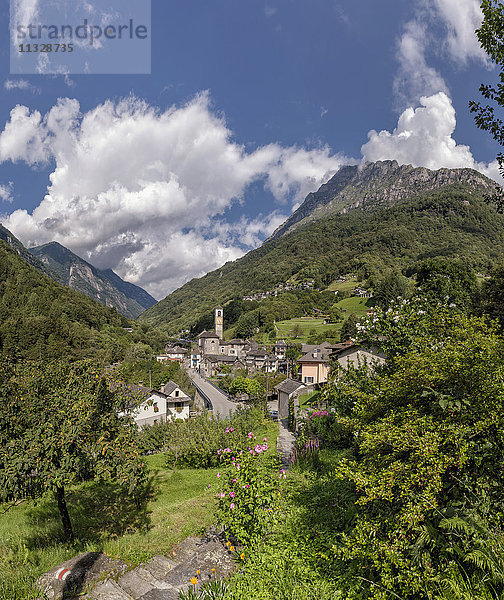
<point x="198" y="572"/>
<point x="231" y="548"/>
<point x="242" y="555"/>
<point x="194" y="581"/>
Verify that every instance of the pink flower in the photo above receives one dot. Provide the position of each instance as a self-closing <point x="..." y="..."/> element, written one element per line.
<point x="251" y="435"/>
<point x="232" y="506"/>
<point x="231" y="429"/>
<point x="282" y="474"/>
<point x="234" y="480"/>
<point x="232" y="494"/>
<point x="247" y="486"/>
<point x="222" y="495"/>
<point x="237" y="467"/>
<point x="218" y="474"/>
<point x="251" y="452"/>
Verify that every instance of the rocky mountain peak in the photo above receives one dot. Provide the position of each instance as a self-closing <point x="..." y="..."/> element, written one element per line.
<point x="375" y="185"/>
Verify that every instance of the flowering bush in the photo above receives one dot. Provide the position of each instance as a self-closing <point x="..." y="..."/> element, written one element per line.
<point x="249" y="487"/>
<point x="318" y="413"/>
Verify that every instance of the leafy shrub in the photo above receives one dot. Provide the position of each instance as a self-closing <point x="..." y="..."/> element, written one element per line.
<point x="193" y="444"/>
<point x="326" y="427"/>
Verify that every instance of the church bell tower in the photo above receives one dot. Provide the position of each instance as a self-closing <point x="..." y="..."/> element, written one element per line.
<point x="219" y="322"/>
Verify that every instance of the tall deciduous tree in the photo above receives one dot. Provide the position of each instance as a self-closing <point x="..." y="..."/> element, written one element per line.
<point x="491" y="38"/>
<point x="60" y="425"/>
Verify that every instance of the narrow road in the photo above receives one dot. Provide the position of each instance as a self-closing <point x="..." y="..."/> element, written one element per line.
<point x="220" y="403"/>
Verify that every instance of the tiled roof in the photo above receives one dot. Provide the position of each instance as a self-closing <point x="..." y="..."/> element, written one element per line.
<point x="170" y="387"/>
<point x="288" y="386"/>
<point x="208" y="334"/>
<point x="176" y="350"/>
<point x="220" y="358"/>
<point x="321" y="357"/>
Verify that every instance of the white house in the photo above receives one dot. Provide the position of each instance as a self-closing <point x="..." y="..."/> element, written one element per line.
<point x="160" y="406"/>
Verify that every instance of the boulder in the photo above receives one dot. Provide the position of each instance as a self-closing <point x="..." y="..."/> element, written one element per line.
<point x="73" y="576"/>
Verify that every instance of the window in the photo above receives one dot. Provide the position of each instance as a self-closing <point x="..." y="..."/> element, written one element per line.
<point x="176" y="393"/>
<point x="179" y="405"/>
<point x="308" y="379"/>
<point x="156" y="407"/>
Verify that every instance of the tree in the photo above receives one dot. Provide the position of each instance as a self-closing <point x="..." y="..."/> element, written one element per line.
<point x="442" y="279"/>
<point x="335" y="314"/>
<point x="492" y="294"/>
<point x="60" y="425"/>
<point x="426" y="436"/>
<point x="491" y="38"/>
<point x="297" y="331"/>
<point x="393" y="285"/>
<point x="349" y="327"/>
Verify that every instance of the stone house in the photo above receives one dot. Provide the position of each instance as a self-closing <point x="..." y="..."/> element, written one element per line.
<point x="286" y="390"/>
<point x="159" y="406"/>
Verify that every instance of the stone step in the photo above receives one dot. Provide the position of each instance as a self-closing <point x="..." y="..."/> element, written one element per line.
<point x="139" y="581"/>
<point x="159" y="566"/>
<point x="172" y="594"/>
<point x="109" y="590"/>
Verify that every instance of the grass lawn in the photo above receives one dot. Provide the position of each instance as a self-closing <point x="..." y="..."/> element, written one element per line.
<point x="344" y="286"/>
<point x="307" y="324"/>
<point x="177" y="504"/>
<point x="356" y="305"/>
<point x="306" y="400"/>
<point x="105" y="519"/>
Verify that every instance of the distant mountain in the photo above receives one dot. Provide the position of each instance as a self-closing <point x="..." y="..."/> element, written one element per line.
<point x="41" y="319"/>
<point x="130" y="289"/>
<point x="30" y="258"/>
<point x="375" y="186"/>
<point x="81" y="276"/>
<point x="368" y="220"/>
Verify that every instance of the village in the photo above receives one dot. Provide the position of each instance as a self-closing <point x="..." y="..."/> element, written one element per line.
<point x="212" y="357"/>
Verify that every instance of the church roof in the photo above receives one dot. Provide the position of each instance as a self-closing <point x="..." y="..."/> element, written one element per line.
<point x="208" y="334"/>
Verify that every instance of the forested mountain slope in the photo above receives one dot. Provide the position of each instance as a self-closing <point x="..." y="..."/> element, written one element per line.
<point x="40" y="318"/>
<point x="453" y="221"/>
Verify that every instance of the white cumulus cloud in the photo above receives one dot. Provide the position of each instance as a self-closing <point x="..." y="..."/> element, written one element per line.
<point x="461" y="18"/>
<point x="440" y="27"/>
<point x="6" y="191"/>
<point x="144" y="191"/>
<point x="424" y="138"/>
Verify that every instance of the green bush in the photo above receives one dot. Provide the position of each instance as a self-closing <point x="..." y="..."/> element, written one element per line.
<point x="193" y="444"/>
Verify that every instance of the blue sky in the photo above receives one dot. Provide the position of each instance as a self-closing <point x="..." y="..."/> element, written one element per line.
<point x="249" y="106"/>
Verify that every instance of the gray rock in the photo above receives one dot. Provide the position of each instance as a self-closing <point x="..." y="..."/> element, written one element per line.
<point x="75" y="575"/>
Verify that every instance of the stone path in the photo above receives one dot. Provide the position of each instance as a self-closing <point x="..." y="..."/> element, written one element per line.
<point x="160" y="578"/>
<point x="285" y="443"/>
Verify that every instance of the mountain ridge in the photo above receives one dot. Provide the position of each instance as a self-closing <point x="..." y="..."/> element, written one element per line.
<point x="354" y="186"/>
<point x="81" y="276"/>
<point x="388" y="227"/>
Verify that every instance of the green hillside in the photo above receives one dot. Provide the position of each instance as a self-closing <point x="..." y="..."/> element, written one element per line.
<point x="43" y="319"/>
<point x="451" y="222"/>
